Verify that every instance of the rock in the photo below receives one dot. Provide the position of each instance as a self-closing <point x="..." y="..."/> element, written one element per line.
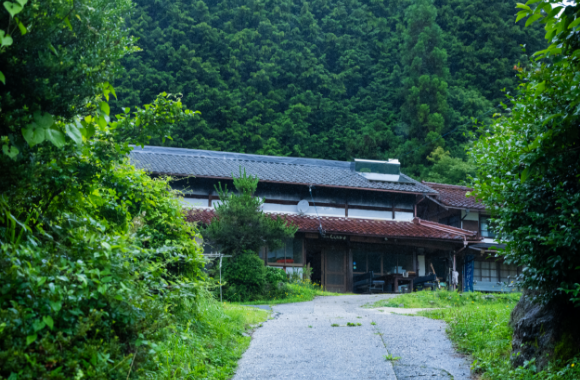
<point x="489" y="297"/>
<point x="432" y="302"/>
<point x="401" y="305"/>
<point x="544" y="332"/>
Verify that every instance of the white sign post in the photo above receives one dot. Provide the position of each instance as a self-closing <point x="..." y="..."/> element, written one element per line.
<point x="220" y="255"/>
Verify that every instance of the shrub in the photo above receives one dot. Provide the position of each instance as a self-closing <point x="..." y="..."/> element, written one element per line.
<point x="82" y="294"/>
<point x="245" y="277"/>
<point x="275" y="275"/>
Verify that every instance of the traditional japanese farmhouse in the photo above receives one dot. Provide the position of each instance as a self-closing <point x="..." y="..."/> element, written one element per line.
<point x="481" y="270"/>
<point x="352" y="217"/>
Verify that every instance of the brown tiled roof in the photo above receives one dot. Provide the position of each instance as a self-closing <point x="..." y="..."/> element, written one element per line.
<point x="419" y="229"/>
<point x="455" y="196"/>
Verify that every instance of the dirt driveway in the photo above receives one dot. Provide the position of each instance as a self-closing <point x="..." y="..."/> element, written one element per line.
<point x="301" y="343"/>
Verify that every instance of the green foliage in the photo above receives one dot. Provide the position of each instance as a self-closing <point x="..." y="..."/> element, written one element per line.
<point x="89" y="282"/>
<point x="425" y="106"/>
<point x="528" y="163"/>
<point x="96" y="258"/>
<point x="60" y="55"/>
<point x="324" y="78"/>
<point x="205" y="341"/>
<point x="275" y="275"/>
<point x="445" y="299"/>
<point x="447" y="169"/>
<point x="478" y="326"/>
<point x="295" y="291"/>
<point x="240" y="226"/>
<point x="245" y="277"/>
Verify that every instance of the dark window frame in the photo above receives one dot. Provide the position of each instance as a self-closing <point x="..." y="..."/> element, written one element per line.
<point x="266" y="251"/>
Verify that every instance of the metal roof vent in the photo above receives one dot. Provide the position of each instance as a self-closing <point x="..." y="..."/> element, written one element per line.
<point x="388" y="171"/>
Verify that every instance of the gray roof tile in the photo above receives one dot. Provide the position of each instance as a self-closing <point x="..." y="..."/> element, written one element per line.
<point x="308" y="171"/>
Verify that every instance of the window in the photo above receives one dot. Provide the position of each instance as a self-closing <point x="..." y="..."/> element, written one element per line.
<point x="359" y="260"/>
<point x="453" y="221"/>
<point x="486" y="228"/>
<point x="289" y="253"/>
<point x="367" y="258"/>
<point x="398" y="260"/>
<point x="508" y="272"/>
<point x="374" y="262"/>
<point x="485" y="271"/>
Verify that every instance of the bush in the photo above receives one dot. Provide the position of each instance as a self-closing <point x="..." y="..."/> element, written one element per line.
<point x="102" y="278"/>
<point x="275" y="275"/>
<point x="205" y="342"/>
<point x="244" y="277"/>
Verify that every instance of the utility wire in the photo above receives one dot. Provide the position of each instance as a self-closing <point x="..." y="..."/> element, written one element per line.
<point x="320" y="230"/>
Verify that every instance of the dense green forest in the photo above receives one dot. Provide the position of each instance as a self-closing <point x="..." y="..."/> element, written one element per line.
<point x="332" y="79"/>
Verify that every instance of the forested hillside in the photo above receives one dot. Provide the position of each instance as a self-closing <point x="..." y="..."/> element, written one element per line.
<point x="332" y="79"/>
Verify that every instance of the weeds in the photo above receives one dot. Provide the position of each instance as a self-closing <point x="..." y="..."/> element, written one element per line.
<point x="390" y="357"/>
<point x="296" y="291"/>
<point x="446" y="299"/>
<point x="206" y="344"/>
<point x="335" y="325"/>
<point x="478" y="325"/>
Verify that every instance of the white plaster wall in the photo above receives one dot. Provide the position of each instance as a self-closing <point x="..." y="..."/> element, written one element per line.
<point x="326" y="211"/>
<point x="404" y="216"/>
<point x="285" y="209"/>
<point x="193" y="203"/>
<point x="473" y="215"/>
<point x="370" y="214"/>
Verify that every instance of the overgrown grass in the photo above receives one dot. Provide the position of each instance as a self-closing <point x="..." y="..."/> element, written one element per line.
<point x="446" y="299"/>
<point x="478" y="325"/>
<point x="298" y="291"/>
<point x="205" y="344"/>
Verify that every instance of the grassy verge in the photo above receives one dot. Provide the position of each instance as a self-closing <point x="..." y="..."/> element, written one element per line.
<point x="448" y="299"/>
<point x="478" y="326"/>
<point x="295" y="292"/>
<point x="205" y="344"/>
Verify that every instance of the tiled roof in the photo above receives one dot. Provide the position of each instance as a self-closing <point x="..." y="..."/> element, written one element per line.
<point x="419" y="229"/>
<point x="304" y="171"/>
<point x="455" y="196"/>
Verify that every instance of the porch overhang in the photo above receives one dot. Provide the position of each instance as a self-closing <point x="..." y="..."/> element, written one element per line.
<point x="388" y="230"/>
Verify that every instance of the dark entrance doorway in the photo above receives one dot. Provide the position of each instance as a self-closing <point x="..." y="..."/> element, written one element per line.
<point x="335" y="269"/>
<point x="314" y="258"/>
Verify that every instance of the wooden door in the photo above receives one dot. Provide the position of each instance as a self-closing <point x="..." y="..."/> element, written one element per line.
<point x="335" y="270"/>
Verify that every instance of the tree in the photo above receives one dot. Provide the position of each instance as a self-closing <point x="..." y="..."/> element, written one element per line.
<point x="240" y="225"/>
<point x="96" y="258"/>
<point x="323" y="78"/>
<point x="447" y="169"/>
<point x="425" y="74"/>
<point x="529" y="161"/>
<point x="60" y="55"/>
<point x="241" y="229"/>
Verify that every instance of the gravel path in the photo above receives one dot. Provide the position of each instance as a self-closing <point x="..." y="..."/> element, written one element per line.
<point x="300" y="343"/>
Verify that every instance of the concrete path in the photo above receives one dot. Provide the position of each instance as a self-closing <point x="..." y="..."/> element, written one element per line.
<point x="300" y="343"/>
